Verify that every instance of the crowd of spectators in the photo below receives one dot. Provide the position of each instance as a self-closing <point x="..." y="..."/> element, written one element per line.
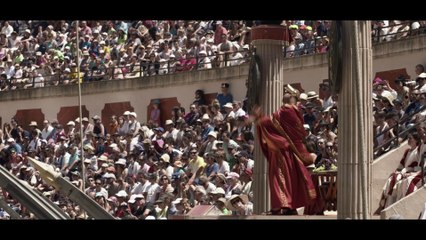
<point x="400" y="114"/>
<point x="44" y="53"/>
<point x="388" y="30"/>
<point x="138" y="170"/>
<point x="154" y="170"/>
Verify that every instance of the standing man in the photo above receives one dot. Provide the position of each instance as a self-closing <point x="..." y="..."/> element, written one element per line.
<point x="281" y="139"/>
<point x="224" y="97"/>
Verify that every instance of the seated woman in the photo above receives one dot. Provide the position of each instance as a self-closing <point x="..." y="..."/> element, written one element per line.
<point x="394" y="188"/>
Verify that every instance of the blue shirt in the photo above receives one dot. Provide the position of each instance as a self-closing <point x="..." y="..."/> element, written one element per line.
<point x="212" y="168"/>
<point x="224" y="99"/>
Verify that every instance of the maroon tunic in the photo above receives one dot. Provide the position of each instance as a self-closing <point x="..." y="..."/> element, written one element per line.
<point x="281" y="139"/>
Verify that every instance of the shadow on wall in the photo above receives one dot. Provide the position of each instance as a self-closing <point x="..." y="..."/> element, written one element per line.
<point x="25" y="116"/>
<point x="391" y="75"/>
<point x="165" y="105"/>
<point x="70" y="113"/>
<point x="209" y="97"/>
<point x="116" y="108"/>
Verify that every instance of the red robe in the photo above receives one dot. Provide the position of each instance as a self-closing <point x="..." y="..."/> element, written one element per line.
<point x="281" y="139"/>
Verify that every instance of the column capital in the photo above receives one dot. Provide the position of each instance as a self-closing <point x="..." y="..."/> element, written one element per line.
<point x="270" y="32"/>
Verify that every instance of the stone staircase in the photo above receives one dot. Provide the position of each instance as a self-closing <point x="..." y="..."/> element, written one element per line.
<point x="382" y="167"/>
<point x="408" y="207"/>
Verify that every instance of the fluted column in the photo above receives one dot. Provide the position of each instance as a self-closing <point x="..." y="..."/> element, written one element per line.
<point x="269" y="42"/>
<point x="355" y="123"/>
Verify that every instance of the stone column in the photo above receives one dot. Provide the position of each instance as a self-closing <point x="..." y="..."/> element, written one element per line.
<point x="269" y="41"/>
<point x="355" y="122"/>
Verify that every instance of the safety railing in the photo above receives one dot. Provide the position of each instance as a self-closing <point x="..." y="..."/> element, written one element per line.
<point x="142" y="68"/>
<point x="393" y="32"/>
<point x="400" y="132"/>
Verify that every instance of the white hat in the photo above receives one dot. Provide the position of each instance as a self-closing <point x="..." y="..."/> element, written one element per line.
<point x="134" y="197"/>
<point x="165" y="157"/>
<point x="243" y="197"/>
<point x="388" y="96"/>
<point x="218" y="190"/>
<point x="177" y="201"/>
<point x="121" y="161"/>
<point x="71" y="123"/>
<point x="109" y="175"/>
<point x="422" y="75"/>
<point x="168" y="122"/>
<point x="312" y="95"/>
<point x="33" y="124"/>
<point x="228" y="105"/>
<point x="138" y="196"/>
<point x="303" y="96"/>
<point x="415" y="25"/>
<point x="306" y="126"/>
<point x="121" y="193"/>
<point x="102" y="158"/>
<point x="133" y="114"/>
<point x="10" y="140"/>
<point x="202" y="53"/>
<point x="200" y="189"/>
<point x="67" y="70"/>
<point x="213" y="134"/>
<point x="102" y="42"/>
<point x="218" y="22"/>
<point x="233" y="174"/>
<point x="205" y="117"/>
<point x="126" y="113"/>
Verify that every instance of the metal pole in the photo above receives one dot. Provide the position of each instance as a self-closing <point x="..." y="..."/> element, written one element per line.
<point x="83" y="172"/>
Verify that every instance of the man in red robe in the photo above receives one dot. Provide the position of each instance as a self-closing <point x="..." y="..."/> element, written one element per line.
<point x="281" y="139"/>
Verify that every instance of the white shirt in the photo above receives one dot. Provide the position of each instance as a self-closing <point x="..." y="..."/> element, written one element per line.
<point x="7" y="30"/>
<point x="140" y="188"/>
<point x="45" y="132"/>
<point x="224" y="169"/>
